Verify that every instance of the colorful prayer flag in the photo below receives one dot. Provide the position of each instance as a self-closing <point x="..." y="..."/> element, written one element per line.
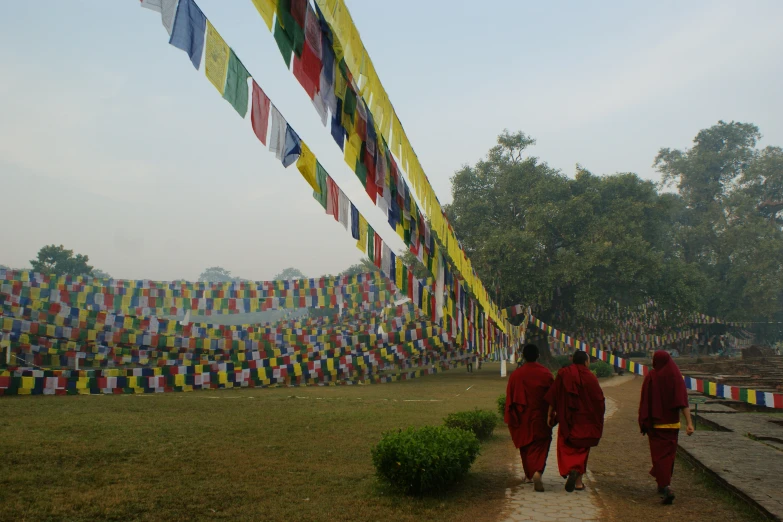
<point x="188" y="31"/>
<point x="307" y="166"/>
<point x="333" y="199"/>
<point x="266" y="8"/>
<point x="236" y="84"/>
<point x="259" y="114"/>
<point x="277" y="138"/>
<point x="322" y="195"/>
<point x="361" y="244"/>
<point x="354" y="222"/>
<point x="216" y="60"/>
<point x="293" y="146"/>
<point x="167" y="10"/>
<point x="344" y="209"/>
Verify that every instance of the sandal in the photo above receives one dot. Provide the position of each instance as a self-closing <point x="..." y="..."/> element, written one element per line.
<point x="571" y="481"/>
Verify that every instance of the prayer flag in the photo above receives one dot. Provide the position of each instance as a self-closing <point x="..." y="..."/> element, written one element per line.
<point x="188" y="31"/>
<point x="322" y="195"/>
<point x="306" y="165"/>
<point x="277" y="138"/>
<point x="259" y="114"/>
<point x="266" y="8"/>
<point x="370" y="243"/>
<point x="293" y="146"/>
<point x="354" y="222"/>
<point x="283" y="42"/>
<point x="361" y="244"/>
<point x="166" y="8"/>
<point x="216" y="60"/>
<point x="291" y="17"/>
<point x="333" y="199"/>
<point x="377" y="257"/>
<point x="236" y="84"/>
<point x="338" y="132"/>
<point x="344" y="209"/>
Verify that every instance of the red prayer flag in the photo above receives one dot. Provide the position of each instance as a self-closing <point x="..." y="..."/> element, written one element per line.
<point x="332" y="198"/>
<point x="307" y="70"/>
<point x="259" y="114"/>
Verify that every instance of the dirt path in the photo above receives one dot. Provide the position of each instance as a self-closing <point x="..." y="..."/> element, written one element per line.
<point x="620" y="472"/>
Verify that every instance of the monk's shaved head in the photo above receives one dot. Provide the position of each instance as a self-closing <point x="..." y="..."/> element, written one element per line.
<point x="530" y="352"/>
<point x="580" y="357"/>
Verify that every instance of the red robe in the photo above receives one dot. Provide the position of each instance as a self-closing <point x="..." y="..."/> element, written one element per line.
<point x="526" y="415"/>
<point x="663" y="396"/>
<point x="579" y="407"/>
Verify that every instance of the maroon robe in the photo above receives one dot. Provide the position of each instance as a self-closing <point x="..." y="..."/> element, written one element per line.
<point x="526" y="415"/>
<point x="663" y="396"/>
<point x="579" y="407"/>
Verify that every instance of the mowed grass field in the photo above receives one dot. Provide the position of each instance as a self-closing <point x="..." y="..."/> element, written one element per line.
<point x="300" y="453"/>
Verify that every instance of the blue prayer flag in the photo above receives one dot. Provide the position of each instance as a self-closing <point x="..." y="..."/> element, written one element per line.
<point x="354" y="222"/>
<point x="293" y="146"/>
<point x="190" y="25"/>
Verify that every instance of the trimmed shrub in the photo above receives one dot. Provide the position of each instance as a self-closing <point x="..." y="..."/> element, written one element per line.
<point x="481" y="422"/>
<point x="602" y="369"/>
<point x="502" y="406"/>
<point x="423" y="460"/>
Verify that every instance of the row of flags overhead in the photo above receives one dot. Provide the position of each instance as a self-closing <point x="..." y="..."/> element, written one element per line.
<point x="302" y="32"/>
<point x="760" y="398"/>
<point x="308" y="45"/>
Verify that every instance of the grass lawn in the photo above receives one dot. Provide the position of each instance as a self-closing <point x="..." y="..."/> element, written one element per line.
<point x="245" y="454"/>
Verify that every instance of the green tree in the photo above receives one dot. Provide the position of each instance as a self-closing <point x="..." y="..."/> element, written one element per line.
<point x="567" y="245"/>
<point x="362" y="267"/>
<point x="290" y="273"/>
<point x="730" y="224"/>
<point x="100" y="274"/>
<point x="216" y="274"/>
<point x="59" y="261"/>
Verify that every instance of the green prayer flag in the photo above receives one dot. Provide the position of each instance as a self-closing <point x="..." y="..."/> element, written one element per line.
<point x="349" y="106"/>
<point x="361" y="172"/>
<point x="283" y="42"/>
<point x="370" y="243"/>
<point x="320" y="178"/>
<point x="236" y="84"/>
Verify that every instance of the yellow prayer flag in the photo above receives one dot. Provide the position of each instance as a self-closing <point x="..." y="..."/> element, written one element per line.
<point x="216" y="58"/>
<point x="361" y="244"/>
<point x="266" y="8"/>
<point x="306" y="166"/>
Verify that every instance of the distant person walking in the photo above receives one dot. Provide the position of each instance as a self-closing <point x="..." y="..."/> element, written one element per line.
<point x="526" y="414"/>
<point x="577" y="405"/>
<point x="663" y="397"/>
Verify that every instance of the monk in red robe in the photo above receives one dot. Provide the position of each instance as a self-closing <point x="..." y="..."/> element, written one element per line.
<point x="576" y="403"/>
<point x="663" y="397"/>
<point x="526" y="414"/>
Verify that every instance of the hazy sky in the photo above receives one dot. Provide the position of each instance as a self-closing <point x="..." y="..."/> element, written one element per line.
<point x="113" y="145"/>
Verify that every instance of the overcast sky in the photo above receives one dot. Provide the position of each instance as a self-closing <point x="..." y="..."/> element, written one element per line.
<point x="113" y="145"/>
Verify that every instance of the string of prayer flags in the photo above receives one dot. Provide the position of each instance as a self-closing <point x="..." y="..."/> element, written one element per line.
<point x="307" y="167"/>
<point x="216" y="60"/>
<point x="259" y="114"/>
<point x="266" y="8"/>
<point x="167" y="10"/>
<point x="236" y="84"/>
<point x="187" y="34"/>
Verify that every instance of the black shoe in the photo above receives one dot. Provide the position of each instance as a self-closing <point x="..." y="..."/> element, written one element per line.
<point x="668" y="496"/>
<point x="661" y="491"/>
<point x="571" y="481"/>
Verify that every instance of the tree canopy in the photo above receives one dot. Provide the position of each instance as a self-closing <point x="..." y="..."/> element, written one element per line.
<point x="216" y="274"/>
<point x="568" y="244"/>
<point x="58" y="260"/>
<point x="290" y="273"/>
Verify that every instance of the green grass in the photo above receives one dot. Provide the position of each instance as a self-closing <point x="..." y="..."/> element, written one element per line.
<point x="246" y="454"/>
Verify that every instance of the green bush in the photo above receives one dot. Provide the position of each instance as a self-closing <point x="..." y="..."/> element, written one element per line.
<point x="481" y="422"/>
<point x="560" y="361"/>
<point x="502" y="406"/>
<point x="602" y="369"/>
<point x="427" y="459"/>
